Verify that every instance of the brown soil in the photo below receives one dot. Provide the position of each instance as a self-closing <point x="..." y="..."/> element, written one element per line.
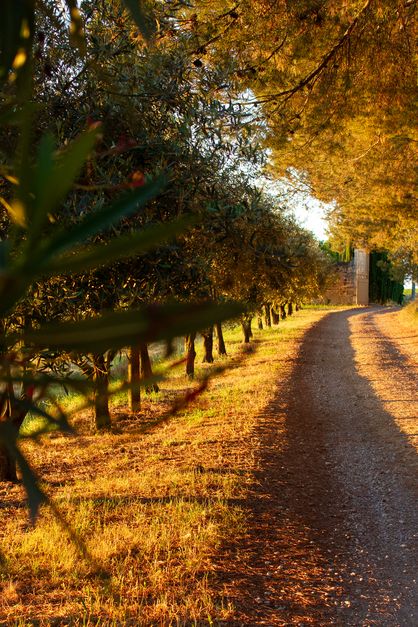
<point x="333" y="522"/>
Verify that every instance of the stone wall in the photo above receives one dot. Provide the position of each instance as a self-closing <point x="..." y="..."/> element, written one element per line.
<point x="343" y="290"/>
<point x="351" y="286"/>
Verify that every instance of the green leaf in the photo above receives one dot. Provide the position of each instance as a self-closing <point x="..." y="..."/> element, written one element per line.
<point x="4" y="254"/>
<point x="123" y="328"/>
<point x="82" y="259"/>
<point x="43" y="178"/>
<point x="52" y="423"/>
<point x="55" y="176"/>
<point x="142" y="17"/>
<point x="94" y="223"/>
<point x="45" y="380"/>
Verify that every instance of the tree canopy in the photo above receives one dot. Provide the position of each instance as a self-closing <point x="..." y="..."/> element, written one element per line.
<point x="337" y="86"/>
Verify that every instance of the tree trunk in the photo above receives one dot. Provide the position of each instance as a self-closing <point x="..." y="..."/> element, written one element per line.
<point x="190" y="354"/>
<point x="267" y="315"/>
<point x="146" y="368"/>
<point x="275" y="316"/>
<point x="134" y="379"/>
<point x="297" y="307"/>
<point x="7" y="465"/>
<point x="220" y="339"/>
<point x="246" y="328"/>
<point x="282" y="312"/>
<point x="11" y="413"/>
<point x="260" y="323"/>
<point x="207" y="335"/>
<point x="101" y="392"/>
<point x="289" y="309"/>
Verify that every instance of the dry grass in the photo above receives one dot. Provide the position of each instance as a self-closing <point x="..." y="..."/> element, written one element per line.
<point x="153" y="502"/>
<point x="408" y="315"/>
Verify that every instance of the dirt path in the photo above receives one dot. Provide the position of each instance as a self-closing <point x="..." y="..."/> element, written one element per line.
<point x="333" y="516"/>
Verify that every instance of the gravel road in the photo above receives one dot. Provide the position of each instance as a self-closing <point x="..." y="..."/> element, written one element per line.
<point x="334" y="520"/>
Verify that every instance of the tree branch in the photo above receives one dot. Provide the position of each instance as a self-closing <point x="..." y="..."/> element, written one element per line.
<point x="288" y="93"/>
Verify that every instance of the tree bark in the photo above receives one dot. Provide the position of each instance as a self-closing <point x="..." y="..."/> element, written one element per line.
<point x="260" y="323"/>
<point x="289" y="309"/>
<point x="267" y="314"/>
<point x="134" y="379"/>
<point x="282" y="312"/>
<point x="7" y="461"/>
<point x="101" y="392"/>
<point x="246" y="328"/>
<point x="7" y="465"/>
<point x="190" y="354"/>
<point x="220" y="339"/>
<point x="275" y="316"/>
<point x="207" y="335"/>
<point x="146" y="368"/>
<point x="14" y="415"/>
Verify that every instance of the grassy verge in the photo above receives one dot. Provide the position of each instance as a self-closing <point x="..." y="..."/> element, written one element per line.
<point x="408" y="315"/>
<point x="153" y="502"/>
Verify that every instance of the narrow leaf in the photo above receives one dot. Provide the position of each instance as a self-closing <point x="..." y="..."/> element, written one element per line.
<point x="82" y="259"/>
<point x="122" y="328"/>
<point x="57" y="175"/>
<point x="43" y="178"/>
<point x="44" y="380"/>
<point x="142" y="17"/>
<point x="77" y="37"/>
<point x="56" y="424"/>
<point x="97" y="221"/>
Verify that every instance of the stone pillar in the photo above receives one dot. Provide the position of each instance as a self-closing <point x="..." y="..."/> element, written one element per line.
<point x="361" y="266"/>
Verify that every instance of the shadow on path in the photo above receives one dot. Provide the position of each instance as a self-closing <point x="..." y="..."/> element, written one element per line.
<point x="333" y="519"/>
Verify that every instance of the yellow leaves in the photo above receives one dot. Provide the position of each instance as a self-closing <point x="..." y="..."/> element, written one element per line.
<point x="76" y="30"/>
<point x="16" y="211"/>
<point x="75" y="20"/>
<point x="25" y="30"/>
<point x="20" y="59"/>
<point x="11" y="179"/>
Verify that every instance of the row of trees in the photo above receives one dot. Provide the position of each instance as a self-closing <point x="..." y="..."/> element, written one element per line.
<point x="150" y="118"/>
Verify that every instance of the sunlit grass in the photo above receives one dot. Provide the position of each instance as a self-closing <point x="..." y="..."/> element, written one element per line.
<point x="409" y="315"/>
<point x="153" y="504"/>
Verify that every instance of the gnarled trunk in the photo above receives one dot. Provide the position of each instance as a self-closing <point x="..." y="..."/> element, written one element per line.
<point x="282" y="312"/>
<point x="207" y="335"/>
<point x="101" y="391"/>
<point x="246" y="328"/>
<point x="267" y="314"/>
<point x="220" y="339"/>
<point x="275" y="316"/>
<point x="7" y="465"/>
<point x="289" y="309"/>
<point x="134" y="379"/>
<point x="13" y="414"/>
<point x="190" y="354"/>
<point x="146" y="368"/>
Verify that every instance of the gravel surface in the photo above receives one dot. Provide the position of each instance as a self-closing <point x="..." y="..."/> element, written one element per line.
<point x="333" y="534"/>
